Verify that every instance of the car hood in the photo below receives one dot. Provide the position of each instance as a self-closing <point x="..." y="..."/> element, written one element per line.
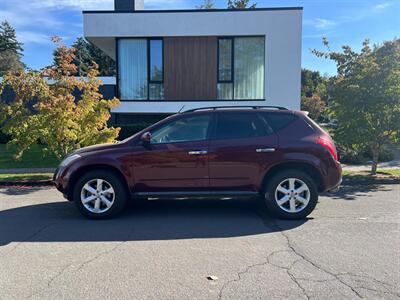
<point x="97" y="148"/>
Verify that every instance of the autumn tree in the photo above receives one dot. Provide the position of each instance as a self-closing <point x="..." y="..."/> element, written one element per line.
<point x="366" y="96"/>
<point x="46" y="109"/>
<point x="240" y="4"/>
<point x="10" y="50"/>
<point x="314" y="95"/>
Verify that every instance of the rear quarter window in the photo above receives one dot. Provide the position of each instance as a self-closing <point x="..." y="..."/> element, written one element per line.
<point x="278" y="121"/>
<point x="238" y="125"/>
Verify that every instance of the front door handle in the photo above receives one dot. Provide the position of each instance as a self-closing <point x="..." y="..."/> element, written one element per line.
<point x="198" y="152"/>
<point x="265" y="150"/>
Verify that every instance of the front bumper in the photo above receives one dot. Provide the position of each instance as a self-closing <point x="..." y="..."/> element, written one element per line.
<point x="59" y="180"/>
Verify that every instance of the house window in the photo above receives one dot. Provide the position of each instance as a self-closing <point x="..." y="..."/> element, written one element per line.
<point x="241" y="68"/>
<point x="225" y="59"/>
<point x="225" y="68"/>
<point x="156" y="69"/>
<point x="132" y="69"/>
<point x="140" y="69"/>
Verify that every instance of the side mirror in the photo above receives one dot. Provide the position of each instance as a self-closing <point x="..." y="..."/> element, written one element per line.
<point x="146" y="139"/>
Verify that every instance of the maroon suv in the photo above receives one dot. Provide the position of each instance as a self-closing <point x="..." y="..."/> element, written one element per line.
<point x="272" y="152"/>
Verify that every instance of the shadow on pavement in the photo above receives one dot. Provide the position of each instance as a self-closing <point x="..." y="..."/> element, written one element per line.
<point x="353" y="187"/>
<point x="21" y="190"/>
<point x="154" y="220"/>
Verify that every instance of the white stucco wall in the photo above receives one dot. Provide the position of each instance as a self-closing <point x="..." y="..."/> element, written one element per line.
<point x="282" y="30"/>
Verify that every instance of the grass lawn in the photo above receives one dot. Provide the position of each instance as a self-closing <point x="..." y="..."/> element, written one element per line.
<point x="25" y="177"/>
<point x="394" y="172"/>
<point x="33" y="158"/>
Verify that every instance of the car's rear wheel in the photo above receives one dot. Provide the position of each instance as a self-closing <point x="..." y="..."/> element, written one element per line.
<point x="99" y="195"/>
<point x="291" y="194"/>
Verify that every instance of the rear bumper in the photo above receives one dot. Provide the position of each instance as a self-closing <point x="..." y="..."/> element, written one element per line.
<point x="333" y="178"/>
<point x="336" y="188"/>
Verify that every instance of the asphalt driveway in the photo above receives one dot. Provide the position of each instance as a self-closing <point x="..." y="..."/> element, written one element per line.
<point x="349" y="248"/>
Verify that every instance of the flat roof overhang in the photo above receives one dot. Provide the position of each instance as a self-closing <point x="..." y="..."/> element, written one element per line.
<point x="103" y="27"/>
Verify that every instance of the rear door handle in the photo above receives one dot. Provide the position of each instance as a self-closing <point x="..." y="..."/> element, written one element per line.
<point x="198" y="152"/>
<point x="265" y="150"/>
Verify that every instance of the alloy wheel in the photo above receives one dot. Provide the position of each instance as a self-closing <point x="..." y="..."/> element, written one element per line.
<point x="97" y="196"/>
<point x="292" y="195"/>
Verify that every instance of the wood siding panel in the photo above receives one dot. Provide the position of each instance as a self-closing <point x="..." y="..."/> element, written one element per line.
<point x="190" y="68"/>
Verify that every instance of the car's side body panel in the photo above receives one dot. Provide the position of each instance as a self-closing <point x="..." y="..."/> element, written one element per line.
<point x="236" y="164"/>
<point x="170" y="167"/>
<point x="117" y="157"/>
<point x="239" y="165"/>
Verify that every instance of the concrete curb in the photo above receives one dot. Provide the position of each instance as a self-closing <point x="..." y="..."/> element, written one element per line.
<point x="27" y="171"/>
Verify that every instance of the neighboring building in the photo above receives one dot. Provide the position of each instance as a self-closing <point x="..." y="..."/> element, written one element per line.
<point x="195" y="58"/>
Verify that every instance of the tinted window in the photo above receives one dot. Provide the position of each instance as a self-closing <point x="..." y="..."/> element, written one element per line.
<point x="277" y="121"/>
<point x="239" y="125"/>
<point x="156" y="60"/>
<point x="225" y="60"/>
<point x="182" y="130"/>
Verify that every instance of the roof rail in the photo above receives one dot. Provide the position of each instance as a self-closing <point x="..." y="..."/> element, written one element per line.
<point x="242" y="106"/>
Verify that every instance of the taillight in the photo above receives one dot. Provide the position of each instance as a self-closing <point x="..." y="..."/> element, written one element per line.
<point x="328" y="145"/>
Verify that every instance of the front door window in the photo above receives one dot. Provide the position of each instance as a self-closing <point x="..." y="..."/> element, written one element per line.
<point x="182" y="130"/>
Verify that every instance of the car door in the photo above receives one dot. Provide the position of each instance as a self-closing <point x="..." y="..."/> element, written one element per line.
<point x="240" y="150"/>
<point x="176" y="159"/>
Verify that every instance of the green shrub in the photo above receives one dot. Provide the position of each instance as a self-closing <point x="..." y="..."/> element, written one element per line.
<point x="348" y="156"/>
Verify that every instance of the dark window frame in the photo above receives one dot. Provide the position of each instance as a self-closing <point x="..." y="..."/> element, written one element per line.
<point x="148" y="53"/>
<point x="232" y="40"/>
<point x="149" y="60"/>
<point x="232" y="81"/>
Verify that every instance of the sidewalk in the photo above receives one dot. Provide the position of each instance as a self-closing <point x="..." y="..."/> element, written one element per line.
<point x="393" y="164"/>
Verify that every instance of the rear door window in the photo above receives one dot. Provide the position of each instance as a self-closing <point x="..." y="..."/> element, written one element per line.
<point x="238" y="125"/>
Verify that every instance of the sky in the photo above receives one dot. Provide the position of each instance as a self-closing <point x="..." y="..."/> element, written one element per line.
<point x="343" y="22"/>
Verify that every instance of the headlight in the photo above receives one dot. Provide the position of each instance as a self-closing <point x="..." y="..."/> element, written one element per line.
<point x="69" y="160"/>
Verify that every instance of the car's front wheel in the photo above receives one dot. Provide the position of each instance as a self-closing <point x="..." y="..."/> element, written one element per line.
<point x="291" y="194"/>
<point x="99" y="194"/>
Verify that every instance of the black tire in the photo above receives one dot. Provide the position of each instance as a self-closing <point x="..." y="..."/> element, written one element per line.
<point x="272" y="185"/>
<point x="120" y="192"/>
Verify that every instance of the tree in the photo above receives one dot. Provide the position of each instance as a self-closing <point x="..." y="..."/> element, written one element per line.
<point x="86" y="54"/>
<point x="207" y="4"/>
<point x="50" y="113"/>
<point x="315" y="106"/>
<point x="83" y="59"/>
<point x="240" y="4"/>
<point x="314" y="96"/>
<point x="366" y="96"/>
<point x="10" y="49"/>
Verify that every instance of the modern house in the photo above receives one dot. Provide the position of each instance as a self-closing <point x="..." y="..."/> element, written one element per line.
<point x="171" y="59"/>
